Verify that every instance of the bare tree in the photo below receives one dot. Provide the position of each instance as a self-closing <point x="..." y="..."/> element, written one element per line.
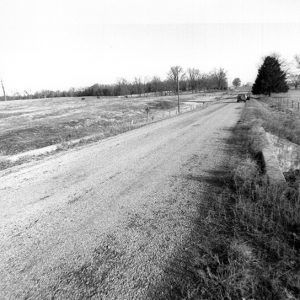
<point x="175" y="75"/>
<point x="71" y="92"/>
<point x="26" y="94"/>
<point x="293" y="72"/>
<point x="122" y="87"/>
<point x="193" y="76"/>
<point x="221" y="78"/>
<point x="138" y="86"/>
<point x="294" y="79"/>
<point x="3" y="89"/>
<point x="156" y="84"/>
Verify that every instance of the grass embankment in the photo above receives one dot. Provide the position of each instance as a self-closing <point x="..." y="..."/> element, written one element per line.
<point x="245" y="243"/>
<point x="281" y="122"/>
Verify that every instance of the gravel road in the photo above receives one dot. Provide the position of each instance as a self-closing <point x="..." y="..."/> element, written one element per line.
<point x="106" y="220"/>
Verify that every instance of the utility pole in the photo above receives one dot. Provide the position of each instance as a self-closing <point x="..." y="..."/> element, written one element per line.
<point x="3" y="90"/>
<point x="178" y="93"/>
<point x="175" y="74"/>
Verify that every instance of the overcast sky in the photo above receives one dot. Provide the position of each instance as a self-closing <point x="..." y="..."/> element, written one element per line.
<point x="58" y="44"/>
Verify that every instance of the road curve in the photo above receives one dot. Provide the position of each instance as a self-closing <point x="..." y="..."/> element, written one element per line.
<point x="105" y="220"/>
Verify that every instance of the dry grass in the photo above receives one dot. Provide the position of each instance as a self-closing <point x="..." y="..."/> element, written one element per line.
<point x="277" y="115"/>
<point x="280" y="123"/>
<point x="32" y="124"/>
<point x="245" y="243"/>
<point x="287" y="102"/>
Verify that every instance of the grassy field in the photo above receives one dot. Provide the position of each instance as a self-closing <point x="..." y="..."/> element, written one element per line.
<point x="33" y="124"/>
<point x="289" y="102"/>
<point x="275" y="119"/>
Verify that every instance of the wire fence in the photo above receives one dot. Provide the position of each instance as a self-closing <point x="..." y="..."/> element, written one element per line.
<point x="156" y="115"/>
<point x="159" y="115"/>
<point x="282" y="103"/>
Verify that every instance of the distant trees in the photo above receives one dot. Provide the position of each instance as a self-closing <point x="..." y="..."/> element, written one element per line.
<point x="177" y="80"/>
<point x="122" y="87"/>
<point x="270" y="78"/>
<point x="236" y="82"/>
<point x="193" y="78"/>
<point x="156" y="85"/>
<point x="221" y="79"/>
<point x="138" y="86"/>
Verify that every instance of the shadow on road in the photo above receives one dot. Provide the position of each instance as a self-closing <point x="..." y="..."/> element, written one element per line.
<point x="195" y="263"/>
<point x="215" y="178"/>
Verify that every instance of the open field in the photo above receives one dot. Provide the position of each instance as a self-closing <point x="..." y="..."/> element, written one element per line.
<point x="33" y="124"/>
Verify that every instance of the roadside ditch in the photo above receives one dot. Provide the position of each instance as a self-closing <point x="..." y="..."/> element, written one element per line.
<point x="246" y="242"/>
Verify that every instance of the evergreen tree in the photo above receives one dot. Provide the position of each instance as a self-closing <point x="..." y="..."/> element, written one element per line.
<point x="270" y="78"/>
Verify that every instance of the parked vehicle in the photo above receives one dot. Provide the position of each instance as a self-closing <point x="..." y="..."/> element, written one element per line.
<point x="241" y="98"/>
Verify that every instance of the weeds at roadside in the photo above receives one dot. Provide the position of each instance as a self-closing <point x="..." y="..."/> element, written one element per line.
<point x="280" y="123"/>
<point x="5" y="163"/>
<point x="245" y="243"/>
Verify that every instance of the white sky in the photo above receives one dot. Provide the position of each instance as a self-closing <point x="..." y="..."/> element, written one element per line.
<point x="58" y="44"/>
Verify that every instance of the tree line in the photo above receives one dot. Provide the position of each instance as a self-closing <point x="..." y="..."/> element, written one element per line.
<point x="190" y="80"/>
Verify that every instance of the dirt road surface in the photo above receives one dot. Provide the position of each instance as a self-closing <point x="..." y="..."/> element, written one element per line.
<point x="106" y="220"/>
